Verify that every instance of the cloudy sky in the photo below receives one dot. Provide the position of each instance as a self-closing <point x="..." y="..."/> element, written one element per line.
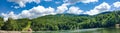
<point x="34" y="8"/>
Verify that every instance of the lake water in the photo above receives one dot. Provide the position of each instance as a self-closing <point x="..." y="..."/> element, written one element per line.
<point x="93" y="30"/>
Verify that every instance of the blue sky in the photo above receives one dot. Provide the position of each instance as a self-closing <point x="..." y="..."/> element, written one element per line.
<point x="35" y="8"/>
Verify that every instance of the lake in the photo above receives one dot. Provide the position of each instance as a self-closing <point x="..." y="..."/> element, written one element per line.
<point x="93" y="30"/>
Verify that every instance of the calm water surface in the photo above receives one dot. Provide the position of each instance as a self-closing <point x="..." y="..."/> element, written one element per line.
<point x="93" y="30"/>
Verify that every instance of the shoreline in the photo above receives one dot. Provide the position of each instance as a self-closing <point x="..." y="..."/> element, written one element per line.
<point x="1" y="31"/>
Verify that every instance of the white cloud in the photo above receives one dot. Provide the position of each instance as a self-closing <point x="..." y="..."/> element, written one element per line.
<point x="98" y="9"/>
<point x="11" y="15"/>
<point x="57" y="2"/>
<point x="47" y="0"/>
<point x="25" y="14"/>
<point x="16" y="7"/>
<point x="22" y="3"/>
<point x="31" y="13"/>
<point x="62" y="8"/>
<point x="116" y="4"/>
<point x="92" y="12"/>
<point x="74" y="10"/>
<point x="37" y="11"/>
<point x="76" y="1"/>
<point x="103" y="7"/>
<point x="88" y="1"/>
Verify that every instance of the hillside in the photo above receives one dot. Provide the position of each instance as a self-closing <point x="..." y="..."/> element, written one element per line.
<point x="62" y="22"/>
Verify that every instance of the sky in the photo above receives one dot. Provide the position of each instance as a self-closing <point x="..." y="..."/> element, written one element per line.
<point x="17" y="9"/>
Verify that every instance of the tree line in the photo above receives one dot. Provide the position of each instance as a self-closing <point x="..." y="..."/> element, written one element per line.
<point x="62" y="22"/>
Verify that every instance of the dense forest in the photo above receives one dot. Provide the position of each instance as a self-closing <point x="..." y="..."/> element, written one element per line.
<point x="62" y="22"/>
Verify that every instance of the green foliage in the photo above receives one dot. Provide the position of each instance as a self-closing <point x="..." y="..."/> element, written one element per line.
<point x="62" y="22"/>
<point x="27" y="26"/>
<point x="23" y="24"/>
<point x="10" y="25"/>
<point x="1" y="22"/>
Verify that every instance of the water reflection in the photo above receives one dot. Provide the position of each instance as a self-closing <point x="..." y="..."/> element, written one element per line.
<point x="94" y="30"/>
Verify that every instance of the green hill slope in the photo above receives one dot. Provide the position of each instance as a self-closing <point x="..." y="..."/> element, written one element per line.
<point x="64" y="22"/>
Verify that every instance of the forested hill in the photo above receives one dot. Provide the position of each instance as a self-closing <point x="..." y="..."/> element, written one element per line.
<point x="62" y="22"/>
